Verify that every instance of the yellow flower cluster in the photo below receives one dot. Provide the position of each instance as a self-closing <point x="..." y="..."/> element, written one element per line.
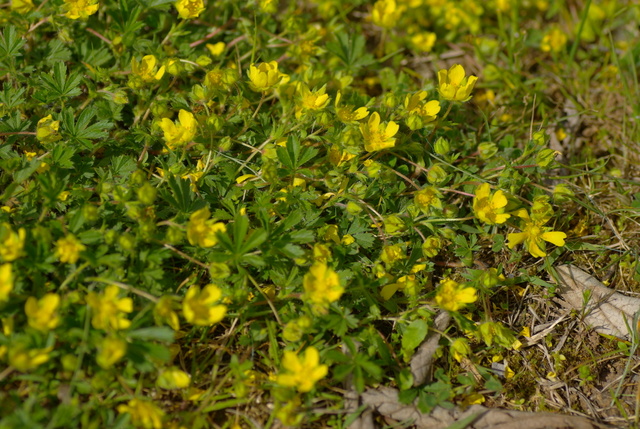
<point x="68" y="249"/>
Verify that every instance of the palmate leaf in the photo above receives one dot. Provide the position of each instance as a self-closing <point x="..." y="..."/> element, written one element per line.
<point x="57" y="84"/>
<point x="79" y="130"/>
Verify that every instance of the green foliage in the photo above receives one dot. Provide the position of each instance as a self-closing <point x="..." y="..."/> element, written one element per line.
<point x="195" y="230"/>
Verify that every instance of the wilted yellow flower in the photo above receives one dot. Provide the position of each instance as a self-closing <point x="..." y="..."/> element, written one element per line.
<point x="378" y="136"/>
<point x="107" y="309"/>
<point x="47" y="130"/>
<point x="265" y="76"/>
<point x="24" y="359"/>
<point x="164" y="312"/>
<point x="322" y="286"/>
<point x="452" y="296"/>
<point x="301" y="372"/>
<point x="144" y="414"/>
<point x="6" y="281"/>
<point x="203" y="231"/>
<point x="391" y="254"/>
<point x="221" y="79"/>
<point x="453" y="85"/>
<point x="188" y="9"/>
<point x="408" y="284"/>
<point x="385" y="13"/>
<point x="68" y="249"/>
<point x="312" y="100"/>
<point x="460" y="348"/>
<point x="349" y="114"/>
<point x="42" y="313"/>
<point x="11" y="243"/>
<point x="22" y="6"/>
<point x="180" y="133"/>
<point x="110" y="351"/>
<point x="534" y="234"/>
<point x="80" y="8"/>
<point x="145" y="71"/>
<point x="201" y="307"/>
<point x="490" y="208"/>
<point x="427" y="198"/>
<point x="173" y="378"/>
<point x="554" y="41"/>
<point x="431" y="246"/>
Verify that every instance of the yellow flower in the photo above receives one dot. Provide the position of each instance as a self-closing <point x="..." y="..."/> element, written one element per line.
<point x="378" y="136"/>
<point x="423" y="41"/>
<point x="490" y="208"/>
<point x="145" y="71"/>
<point x="347" y="114"/>
<point x="144" y="414"/>
<point x="420" y="113"/>
<point x="385" y="13"/>
<point x="68" y="249"/>
<point x="312" y="100"/>
<point x="301" y="372"/>
<point x="452" y="296"/>
<point x="108" y="309"/>
<point x="265" y="76"/>
<point x="188" y="9"/>
<point x="554" y="41"/>
<point x="180" y="133"/>
<point x="534" y="234"/>
<point x="22" y="6"/>
<point x="173" y="378"/>
<point x="110" y="351"/>
<point x="80" y="8"/>
<point x="164" y="312"/>
<point x="6" y="281"/>
<point x="47" y="130"/>
<point x="427" y="199"/>
<point x="217" y="49"/>
<point x="203" y="231"/>
<point x="24" y="359"/>
<point x="322" y="286"/>
<point x="42" y="313"/>
<point x="453" y="85"/>
<point x="11" y="243"/>
<point x="201" y="307"/>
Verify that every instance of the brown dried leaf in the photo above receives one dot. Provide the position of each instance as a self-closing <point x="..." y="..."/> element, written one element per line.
<point x="385" y="401"/>
<point x="422" y="360"/>
<point x="606" y="310"/>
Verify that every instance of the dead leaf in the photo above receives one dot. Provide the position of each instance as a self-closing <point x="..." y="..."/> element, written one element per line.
<point x="423" y="358"/>
<point x="385" y="401"/>
<point x="606" y="311"/>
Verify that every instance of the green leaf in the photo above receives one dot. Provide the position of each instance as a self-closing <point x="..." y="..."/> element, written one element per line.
<point x="153" y="333"/>
<point x="415" y="333"/>
<point x="57" y="85"/>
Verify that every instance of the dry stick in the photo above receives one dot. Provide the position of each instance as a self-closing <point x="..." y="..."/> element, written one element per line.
<point x="124" y="286"/>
